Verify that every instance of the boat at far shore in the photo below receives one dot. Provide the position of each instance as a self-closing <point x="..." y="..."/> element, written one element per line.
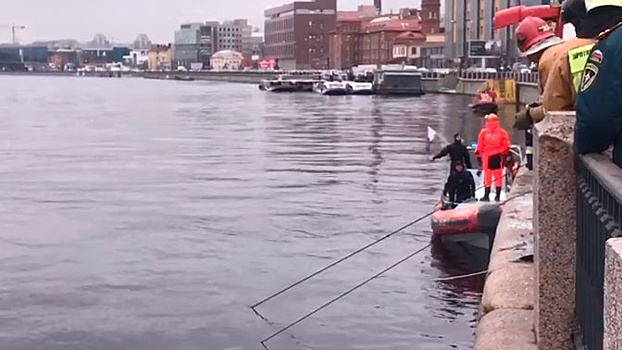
<point x="360" y="88"/>
<point x="484" y="107"/>
<point x="331" y="88"/>
<point x="289" y="83"/>
<point x="398" y="83"/>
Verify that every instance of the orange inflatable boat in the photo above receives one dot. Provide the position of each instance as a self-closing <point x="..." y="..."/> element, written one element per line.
<point x="469" y="217"/>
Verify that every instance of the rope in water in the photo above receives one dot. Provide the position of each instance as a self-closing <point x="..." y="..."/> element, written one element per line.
<point x="348" y="256"/>
<point x="457" y="277"/>
<point x="399" y="262"/>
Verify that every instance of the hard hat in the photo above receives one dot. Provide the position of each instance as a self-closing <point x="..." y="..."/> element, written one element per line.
<point x="592" y="4"/>
<point x="573" y="11"/>
<point x="533" y="35"/>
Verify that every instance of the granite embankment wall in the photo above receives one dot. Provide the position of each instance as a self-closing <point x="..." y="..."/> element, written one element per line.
<point x="507" y="310"/>
<point x="569" y="206"/>
<point x="528" y="92"/>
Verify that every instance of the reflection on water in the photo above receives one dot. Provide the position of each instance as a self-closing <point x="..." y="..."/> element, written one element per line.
<point x="141" y="214"/>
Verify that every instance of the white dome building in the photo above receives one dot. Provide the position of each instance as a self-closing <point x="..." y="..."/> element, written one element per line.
<point x="226" y="60"/>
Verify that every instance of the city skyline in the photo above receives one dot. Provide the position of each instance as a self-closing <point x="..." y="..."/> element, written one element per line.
<point x="82" y="20"/>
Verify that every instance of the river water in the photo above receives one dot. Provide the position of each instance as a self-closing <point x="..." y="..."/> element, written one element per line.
<point x="147" y="215"/>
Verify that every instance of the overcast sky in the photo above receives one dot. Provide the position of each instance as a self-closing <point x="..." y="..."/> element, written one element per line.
<point x="123" y="20"/>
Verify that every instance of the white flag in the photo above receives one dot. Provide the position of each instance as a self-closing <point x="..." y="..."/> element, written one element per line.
<point x="431" y="136"/>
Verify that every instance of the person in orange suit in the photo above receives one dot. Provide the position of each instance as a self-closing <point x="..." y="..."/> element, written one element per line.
<point x="493" y="94"/>
<point x="493" y="145"/>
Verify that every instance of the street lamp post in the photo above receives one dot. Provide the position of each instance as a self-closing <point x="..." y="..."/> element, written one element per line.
<point x="464" y="34"/>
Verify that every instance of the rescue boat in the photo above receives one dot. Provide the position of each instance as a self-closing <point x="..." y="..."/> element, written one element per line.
<point x="485" y="107"/>
<point x="469" y="227"/>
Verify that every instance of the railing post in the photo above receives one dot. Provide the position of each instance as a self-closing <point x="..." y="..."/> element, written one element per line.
<point x="555" y="231"/>
<point x="529" y="148"/>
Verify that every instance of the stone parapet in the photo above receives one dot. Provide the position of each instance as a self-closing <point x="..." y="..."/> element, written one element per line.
<point x="554" y="205"/>
<point x="613" y="294"/>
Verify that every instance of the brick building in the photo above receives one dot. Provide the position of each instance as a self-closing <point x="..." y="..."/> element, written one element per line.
<point x="377" y="38"/>
<point x="66" y="59"/>
<point x="296" y="35"/>
<point x="344" y="39"/>
<point x="363" y="37"/>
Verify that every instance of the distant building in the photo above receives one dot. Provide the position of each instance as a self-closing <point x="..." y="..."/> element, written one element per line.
<point x="187" y="45"/>
<point x="257" y="46"/>
<point x="226" y="60"/>
<point x="197" y="42"/>
<point x="58" y="44"/>
<point x="382" y="36"/>
<point x="99" y="41"/>
<point x="25" y="53"/>
<point x="97" y="57"/>
<point x="344" y="39"/>
<point x="363" y="37"/>
<point x="159" y="57"/>
<point x="297" y="34"/>
<point x="433" y="53"/>
<point x="11" y="66"/>
<point x="118" y="52"/>
<point x="137" y="58"/>
<point x="208" y="41"/>
<point x="142" y="42"/>
<point x="472" y="20"/>
<point x="66" y="59"/>
<point x="236" y="35"/>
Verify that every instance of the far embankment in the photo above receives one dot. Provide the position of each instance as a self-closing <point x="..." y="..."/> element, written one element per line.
<point x="510" y="86"/>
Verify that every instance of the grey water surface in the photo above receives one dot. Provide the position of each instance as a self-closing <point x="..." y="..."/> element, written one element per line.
<point x="147" y="215"/>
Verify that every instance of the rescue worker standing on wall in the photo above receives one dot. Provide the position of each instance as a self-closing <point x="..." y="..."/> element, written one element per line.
<point x="560" y="66"/>
<point x="599" y="102"/>
<point x="535" y="40"/>
<point x="460" y="185"/>
<point x="457" y="153"/>
<point x="492" y="146"/>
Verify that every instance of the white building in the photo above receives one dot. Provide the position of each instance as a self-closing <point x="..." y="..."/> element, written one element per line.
<point x="226" y="60"/>
<point x="137" y="58"/>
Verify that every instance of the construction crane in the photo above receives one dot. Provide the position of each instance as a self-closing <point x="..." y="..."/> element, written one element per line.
<point x="14" y="28"/>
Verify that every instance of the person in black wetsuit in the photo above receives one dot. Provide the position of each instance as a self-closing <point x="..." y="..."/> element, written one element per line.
<point x="460" y="185"/>
<point x="457" y="153"/>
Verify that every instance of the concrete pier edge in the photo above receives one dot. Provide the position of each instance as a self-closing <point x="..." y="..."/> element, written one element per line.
<point x="507" y="311"/>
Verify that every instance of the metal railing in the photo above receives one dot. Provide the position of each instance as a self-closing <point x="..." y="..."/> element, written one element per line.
<point x="466" y="75"/>
<point x="599" y="211"/>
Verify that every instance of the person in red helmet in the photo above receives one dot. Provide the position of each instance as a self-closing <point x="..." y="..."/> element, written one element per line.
<point x="535" y="40"/>
<point x="492" y="146"/>
<point x="560" y="63"/>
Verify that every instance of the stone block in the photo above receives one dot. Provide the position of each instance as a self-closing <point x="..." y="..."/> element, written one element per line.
<point x="506" y="329"/>
<point x="613" y="294"/>
<point x="554" y="204"/>
<point x="511" y="287"/>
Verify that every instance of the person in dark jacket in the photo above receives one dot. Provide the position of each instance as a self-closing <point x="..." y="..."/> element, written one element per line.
<point x="599" y="103"/>
<point x="460" y="184"/>
<point x="457" y="153"/>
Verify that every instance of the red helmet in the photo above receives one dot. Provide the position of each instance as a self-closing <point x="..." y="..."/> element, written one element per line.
<point x="533" y="35"/>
